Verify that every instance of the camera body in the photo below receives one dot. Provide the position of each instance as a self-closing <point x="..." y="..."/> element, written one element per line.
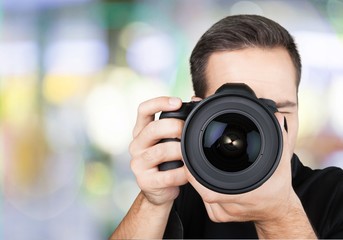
<point x="231" y="141"/>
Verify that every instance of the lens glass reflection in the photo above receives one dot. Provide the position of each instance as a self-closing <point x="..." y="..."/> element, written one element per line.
<point x="231" y="142"/>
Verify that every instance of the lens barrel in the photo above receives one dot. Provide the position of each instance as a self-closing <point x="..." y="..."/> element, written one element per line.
<point x="232" y="141"/>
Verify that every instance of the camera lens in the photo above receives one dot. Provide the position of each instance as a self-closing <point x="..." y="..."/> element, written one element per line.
<point x="231" y="142"/>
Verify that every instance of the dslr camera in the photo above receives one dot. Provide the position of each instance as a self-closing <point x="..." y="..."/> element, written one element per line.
<point x="231" y="141"/>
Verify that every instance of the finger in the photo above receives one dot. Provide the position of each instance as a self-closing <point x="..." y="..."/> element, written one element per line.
<point x="196" y="99"/>
<point x="164" y="179"/>
<point x="228" y="213"/>
<point x="217" y="213"/>
<point x="154" y="132"/>
<point x="155" y="155"/>
<point x="210" y="212"/>
<point x="148" y="109"/>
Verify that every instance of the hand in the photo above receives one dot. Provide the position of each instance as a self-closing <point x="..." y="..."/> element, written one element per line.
<point x="269" y="202"/>
<point x="159" y="187"/>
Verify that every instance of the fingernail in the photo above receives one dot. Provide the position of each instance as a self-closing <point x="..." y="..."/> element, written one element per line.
<point x="174" y="101"/>
<point x="196" y="99"/>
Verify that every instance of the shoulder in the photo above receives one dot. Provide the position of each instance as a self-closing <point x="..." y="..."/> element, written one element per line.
<point x="310" y="181"/>
<point x="321" y="193"/>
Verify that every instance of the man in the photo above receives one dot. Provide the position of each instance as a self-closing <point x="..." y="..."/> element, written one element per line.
<point x="295" y="202"/>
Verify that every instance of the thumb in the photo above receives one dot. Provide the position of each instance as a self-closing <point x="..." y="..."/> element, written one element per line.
<point x="196" y="99"/>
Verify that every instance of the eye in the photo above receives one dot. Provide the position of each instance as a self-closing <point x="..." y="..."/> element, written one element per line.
<point x="286" y="107"/>
<point x="287" y="110"/>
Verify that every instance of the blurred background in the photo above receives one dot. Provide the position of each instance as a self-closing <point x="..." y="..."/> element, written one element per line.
<point x="72" y="73"/>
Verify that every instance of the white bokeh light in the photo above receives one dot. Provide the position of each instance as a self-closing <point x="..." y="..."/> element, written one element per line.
<point x="111" y="112"/>
<point x="334" y="159"/>
<point x="321" y="50"/>
<point x="247" y="7"/>
<point x="76" y="56"/>
<point x="14" y="55"/>
<point x="152" y="54"/>
<point x="335" y="98"/>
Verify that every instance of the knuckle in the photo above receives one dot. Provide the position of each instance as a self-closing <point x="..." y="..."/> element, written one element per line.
<point x="210" y="198"/>
<point x="222" y="214"/>
<point x="216" y="214"/>
<point x="141" y="108"/>
<point x="134" y="166"/>
<point x="151" y="129"/>
<point x="157" y="151"/>
<point x="134" y="132"/>
<point x="153" y="154"/>
<point x="216" y="218"/>
<point x="148" y="155"/>
<point x="132" y="149"/>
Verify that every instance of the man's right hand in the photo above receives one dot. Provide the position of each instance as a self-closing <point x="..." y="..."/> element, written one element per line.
<point x="159" y="187"/>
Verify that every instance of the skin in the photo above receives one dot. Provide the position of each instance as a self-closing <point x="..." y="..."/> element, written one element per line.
<point x="274" y="207"/>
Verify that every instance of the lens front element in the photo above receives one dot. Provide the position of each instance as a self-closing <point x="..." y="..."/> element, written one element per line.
<point x="231" y="142"/>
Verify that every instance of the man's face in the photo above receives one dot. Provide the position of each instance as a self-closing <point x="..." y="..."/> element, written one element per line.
<point x="269" y="72"/>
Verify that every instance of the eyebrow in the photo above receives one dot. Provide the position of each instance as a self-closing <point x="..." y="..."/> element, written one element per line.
<point x="284" y="104"/>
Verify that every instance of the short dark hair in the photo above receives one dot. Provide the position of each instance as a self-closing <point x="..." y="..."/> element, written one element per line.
<point x="239" y="32"/>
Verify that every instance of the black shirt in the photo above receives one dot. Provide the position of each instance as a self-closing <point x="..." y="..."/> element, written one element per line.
<point x="320" y="191"/>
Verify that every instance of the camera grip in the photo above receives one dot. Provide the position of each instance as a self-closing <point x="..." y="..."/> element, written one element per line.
<point x="172" y="164"/>
<point x="181" y="114"/>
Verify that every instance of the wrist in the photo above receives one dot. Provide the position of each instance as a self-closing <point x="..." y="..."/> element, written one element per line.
<point x="282" y="211"/>
<point x="144" y="220"/>
<point x="156" y="209"/>
<point x="290" y="222"/>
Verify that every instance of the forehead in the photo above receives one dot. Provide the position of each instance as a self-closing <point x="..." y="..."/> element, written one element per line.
<point x="269" y="72"/>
